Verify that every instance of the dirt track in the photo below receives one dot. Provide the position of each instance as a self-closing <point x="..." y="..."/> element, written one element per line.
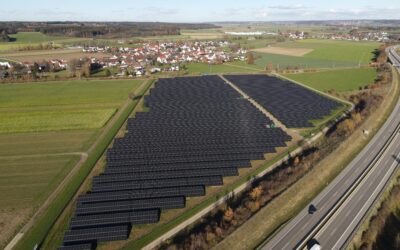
<point x="284" y="51"/>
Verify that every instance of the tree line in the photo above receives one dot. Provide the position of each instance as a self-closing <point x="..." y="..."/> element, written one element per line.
<point x="101" y="29"/>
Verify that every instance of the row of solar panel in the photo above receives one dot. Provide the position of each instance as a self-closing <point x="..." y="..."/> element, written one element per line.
<point x="185" y="153"/>
<point x="130" y="205"/>
<point x="197" y="131"/>
<point x="176" y="167"/>
<point x="127" y="184"/>
<point x="143" y="194"/>
<point x="290" y="103"/>
<point x="233" y="171"/>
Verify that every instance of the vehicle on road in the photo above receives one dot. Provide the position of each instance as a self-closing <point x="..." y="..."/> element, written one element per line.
<point x="313" y="244"/>
<point x="312" y="209"/>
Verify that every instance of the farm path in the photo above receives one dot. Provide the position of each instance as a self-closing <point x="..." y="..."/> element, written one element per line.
<point x="243" y="67"/>
<point x="294" y="134"/>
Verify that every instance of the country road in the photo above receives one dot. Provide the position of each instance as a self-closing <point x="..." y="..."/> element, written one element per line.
<point x="344" y="202"/>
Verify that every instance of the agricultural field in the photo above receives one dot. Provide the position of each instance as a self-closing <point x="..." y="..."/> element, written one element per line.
<point x="273" y="27"/>
<point x="322" y="54"/>
<point x="249" y="43"/>
<point x="347" y="51"/>
<point x="23" y="39"/>
<point x="46" y="128"/>
<point x="40" y="55"/>
<point x="203" y="34"/>
<point x="339" y="80"/>
<point x="284" y="51"/>
<point x="234" y="67"/>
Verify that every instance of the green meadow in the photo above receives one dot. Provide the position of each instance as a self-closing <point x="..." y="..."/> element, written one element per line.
<point x="324" y="54"/>
<point x="45" y="128"/>
<point x="38" y="121"/>
<point x="234" y="67"/>
<point x="23" y="39"/>
<point x="338" y="80"/>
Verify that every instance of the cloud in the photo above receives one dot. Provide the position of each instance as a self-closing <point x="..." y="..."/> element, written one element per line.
<point x="157" y="11"/>
<point x="359" y="13"/>
<point x="287" y="7"/>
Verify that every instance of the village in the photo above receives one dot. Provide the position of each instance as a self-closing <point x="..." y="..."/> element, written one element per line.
<point x="149" y="58"/>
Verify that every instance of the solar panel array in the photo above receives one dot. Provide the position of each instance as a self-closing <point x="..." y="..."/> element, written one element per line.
<point x="198" y="130"/>
<point x="293" y="105"/>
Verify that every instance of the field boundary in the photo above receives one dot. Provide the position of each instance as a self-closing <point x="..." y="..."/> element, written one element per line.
<point x="33" y="232"/>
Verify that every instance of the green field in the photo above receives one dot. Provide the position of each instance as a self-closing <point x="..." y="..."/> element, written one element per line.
<point x="36" y="38"/>
<point x="341" y="51"/>
<point x="55" y="142"/>
<point x="39" y="121"/>
<point x="44" y="130"/>
<point x="234" y="67"/>
<point x="338" y="80"/>
<point x="27" y="180"/>
<point x="325" y="54"/>
<point x="63" y="93"/>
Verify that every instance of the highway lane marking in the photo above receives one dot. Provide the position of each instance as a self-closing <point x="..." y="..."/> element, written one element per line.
<point x="390" y="146"/>
<point x="290" y="229"/>
<point x="333" y="231"/>
<point x="393" y="121"/>
<point x="376" y="163"/>
<point x="371" y="196"/>
<point x="370" y="184"/>
<point x="284" y="247"/>
<point x="305" y="224"/>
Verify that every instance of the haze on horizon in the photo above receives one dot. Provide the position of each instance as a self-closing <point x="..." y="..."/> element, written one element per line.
<point x="198" y="11"/>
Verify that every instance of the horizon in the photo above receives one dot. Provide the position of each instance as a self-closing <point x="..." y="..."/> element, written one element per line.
<point x="194" y="12"/>
<point x="210" y="22"/>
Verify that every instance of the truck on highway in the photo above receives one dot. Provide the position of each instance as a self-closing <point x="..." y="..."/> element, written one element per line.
<point x="315" y="247"/>
<point x="313" y="244"/>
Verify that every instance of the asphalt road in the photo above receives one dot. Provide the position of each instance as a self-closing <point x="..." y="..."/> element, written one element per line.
<point x="340" y="227"/>
<point x="378" y="156"/>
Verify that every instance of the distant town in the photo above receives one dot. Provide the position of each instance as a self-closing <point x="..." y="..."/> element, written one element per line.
<point x="170" y="56"/>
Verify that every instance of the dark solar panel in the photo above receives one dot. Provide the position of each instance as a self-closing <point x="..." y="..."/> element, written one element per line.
<point x="197" y="131"/>
<point x="290" y="103"/>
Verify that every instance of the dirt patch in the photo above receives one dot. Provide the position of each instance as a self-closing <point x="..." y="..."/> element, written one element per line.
<point x="284" y="51"/>
<point x="10" y="221"/>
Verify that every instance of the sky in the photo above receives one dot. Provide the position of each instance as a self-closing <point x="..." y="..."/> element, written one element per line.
<point x="196" y="10"/>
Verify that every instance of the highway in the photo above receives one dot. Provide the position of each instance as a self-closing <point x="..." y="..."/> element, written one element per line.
<point x="345" y="201"/>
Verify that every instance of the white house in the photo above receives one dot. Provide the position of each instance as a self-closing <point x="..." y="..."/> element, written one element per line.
<point x="5" y="64"/>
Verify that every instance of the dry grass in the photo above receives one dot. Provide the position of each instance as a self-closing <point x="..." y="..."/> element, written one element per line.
<point x="269" y="218"/>
<point x="8" y="220"/>
<point x="284" y="51"/>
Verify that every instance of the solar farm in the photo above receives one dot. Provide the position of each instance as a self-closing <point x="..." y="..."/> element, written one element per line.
<point x="292" y="104"/>
<point x="198" y="131"/>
